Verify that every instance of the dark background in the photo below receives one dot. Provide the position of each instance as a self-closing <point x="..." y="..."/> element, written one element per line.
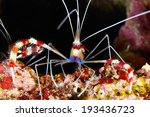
<point x="39" y="19"/>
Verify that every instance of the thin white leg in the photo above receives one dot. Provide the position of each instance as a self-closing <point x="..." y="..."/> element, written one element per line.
<point x="62" y="68"/>
<point x="48" y="54"/>
<point x="117" y="54"/>
<point x="37" y="74"/>
<point x="37" y="61"/>
<point x="95" y="61"/>
<point x="105" y="37"/>
<point x="51" y="70"/>
<point x="97" y="54"/>
<point x="34" y="56"/>
<point x="38" y="79"/>
<point x="109" y="47"/>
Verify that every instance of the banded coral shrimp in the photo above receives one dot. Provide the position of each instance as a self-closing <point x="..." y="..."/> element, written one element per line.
<point x="77" y="53"/>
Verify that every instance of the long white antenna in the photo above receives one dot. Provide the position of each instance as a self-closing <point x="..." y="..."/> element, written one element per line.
<point x="78" y="17"/>
<point x="132" y="17"/>
<point x="64" y="20"/>
<point x="68" y="17"/>
<point x="85" y="14"/>
<point x="7" y="36"/>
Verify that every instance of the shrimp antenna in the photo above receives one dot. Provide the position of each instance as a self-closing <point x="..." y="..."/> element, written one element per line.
<point x="68" y="17"/>
<point x="132" y="17"/>
<point x="6" y="34"/>
<point x="64" y="20"/>
<point x="79" y="25"/>
<point x="85" y="14"/>
<point x="78" y="17"/>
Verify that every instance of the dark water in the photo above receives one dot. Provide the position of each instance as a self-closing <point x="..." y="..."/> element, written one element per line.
<point x="39" y="19"/>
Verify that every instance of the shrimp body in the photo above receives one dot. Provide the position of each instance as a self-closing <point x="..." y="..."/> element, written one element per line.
<point x="77" y="52"/>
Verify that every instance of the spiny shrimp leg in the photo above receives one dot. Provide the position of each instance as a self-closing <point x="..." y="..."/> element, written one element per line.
<point x="34" y="56"/>
<point x="128" y="68"/>
<point x="109" y="47"/>
<point x="48" y="59"/>
<point x="18" y="45"/>
<point x="38" y="79"/>
<point x="51" y="69"/>
<point x="37" y="61"/>
<point x="105" y="37"/>
<point x="104" y="50"/>
<point x="62" y="68"/>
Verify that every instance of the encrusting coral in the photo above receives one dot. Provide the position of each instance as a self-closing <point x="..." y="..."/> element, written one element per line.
<point x="109" y="83"/>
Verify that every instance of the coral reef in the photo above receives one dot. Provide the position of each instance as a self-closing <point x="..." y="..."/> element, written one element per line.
<point x="109" y="83"/>
<point x="25" y="81"/>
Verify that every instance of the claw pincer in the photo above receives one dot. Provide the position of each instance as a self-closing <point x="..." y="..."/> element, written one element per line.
<point x="127" y="67"/>
<point x="23" y="52"/>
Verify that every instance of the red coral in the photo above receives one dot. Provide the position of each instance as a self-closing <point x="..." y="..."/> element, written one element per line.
<point x="46" y="93"/>
<point x="84" y="74"/>
<point x="6" y="83"/>
<point x="23" y="97"/>
<point x="105" y="80"/>
<point x="113" y="71"/>
<point x="122" y="75"/>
